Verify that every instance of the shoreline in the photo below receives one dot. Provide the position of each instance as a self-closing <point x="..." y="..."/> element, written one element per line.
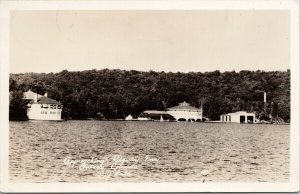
<point x="120" y="120"/>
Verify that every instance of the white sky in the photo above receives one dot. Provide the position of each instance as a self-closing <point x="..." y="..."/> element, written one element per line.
<point x="51" y="41"/>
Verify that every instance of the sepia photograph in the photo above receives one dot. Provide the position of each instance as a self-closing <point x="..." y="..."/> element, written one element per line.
<point x="138" y="96"/>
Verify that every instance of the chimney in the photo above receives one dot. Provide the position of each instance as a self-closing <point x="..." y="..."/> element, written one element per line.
<point x="46" y="94"/>
<point x="265" y="97"/>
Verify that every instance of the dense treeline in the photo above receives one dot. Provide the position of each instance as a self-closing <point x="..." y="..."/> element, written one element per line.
<point x="113" y="94"/>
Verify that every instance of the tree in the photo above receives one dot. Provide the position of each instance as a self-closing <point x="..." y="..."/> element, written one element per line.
<point x="113" y="94"/>
<point x="17" y="106"/>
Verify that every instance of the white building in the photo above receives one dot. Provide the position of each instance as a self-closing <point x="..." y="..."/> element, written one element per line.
<point x="183" y="112"/>
<point x="238" y="117"/>
<point x="42" y="108"/>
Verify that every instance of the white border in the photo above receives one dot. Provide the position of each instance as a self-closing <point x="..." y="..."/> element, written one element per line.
<point x="7" y="6"/>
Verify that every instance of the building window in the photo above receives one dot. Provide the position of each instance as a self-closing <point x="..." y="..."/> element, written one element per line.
<point x="42" y="112"/>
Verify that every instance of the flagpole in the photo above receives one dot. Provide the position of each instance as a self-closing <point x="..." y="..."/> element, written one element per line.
<point x="265" y="101"/>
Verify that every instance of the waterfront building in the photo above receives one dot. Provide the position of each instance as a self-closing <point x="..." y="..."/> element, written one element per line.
<point x="183" y="112"/>
<point x="41" y="107"/>
<point x="238" y="117"/>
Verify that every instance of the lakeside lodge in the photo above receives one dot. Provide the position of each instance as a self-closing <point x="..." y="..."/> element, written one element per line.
<point x="41" y="107"/>
<point x="183" y="112"/>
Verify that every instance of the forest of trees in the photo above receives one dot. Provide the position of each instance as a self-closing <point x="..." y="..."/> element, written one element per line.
<point x="114" y="94"/>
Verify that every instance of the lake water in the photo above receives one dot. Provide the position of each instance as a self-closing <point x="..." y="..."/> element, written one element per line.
<point x="120" y="151"/>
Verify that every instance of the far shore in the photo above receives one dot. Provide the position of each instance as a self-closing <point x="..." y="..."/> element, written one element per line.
<point x="136" y="120"/>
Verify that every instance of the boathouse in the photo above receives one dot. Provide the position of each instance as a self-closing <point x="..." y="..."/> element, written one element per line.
<point x="238" y="117"/>
<point x="41" y="107"/>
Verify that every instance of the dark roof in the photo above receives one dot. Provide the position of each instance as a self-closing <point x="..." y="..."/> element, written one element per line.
<point x="45" y="100"/>
<point x="183" y="106"/>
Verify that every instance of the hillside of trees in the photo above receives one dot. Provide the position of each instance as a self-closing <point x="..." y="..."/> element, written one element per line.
<point x="114" y="94"/>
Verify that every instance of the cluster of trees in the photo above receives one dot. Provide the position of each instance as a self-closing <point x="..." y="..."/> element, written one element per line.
<point x="114" y="94"/>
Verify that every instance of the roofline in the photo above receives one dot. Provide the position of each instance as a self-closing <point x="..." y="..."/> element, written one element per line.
<point x="183" y="108"/>
<point x="46" y="103"/>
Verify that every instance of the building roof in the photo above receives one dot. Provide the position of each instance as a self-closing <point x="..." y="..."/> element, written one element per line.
<point x="154" y="112"/>
<point x="45" y="100"/>
<point x="240" y="113"/>
<point x="29" y="95"/>
<point x="183" y="106"/>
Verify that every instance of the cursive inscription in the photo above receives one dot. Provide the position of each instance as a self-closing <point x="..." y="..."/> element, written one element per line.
<point x="108" y="167"/>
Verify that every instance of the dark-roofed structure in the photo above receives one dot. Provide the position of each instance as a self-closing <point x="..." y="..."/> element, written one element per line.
<point x="41" y="107"/>
<point x="45" y="100"/>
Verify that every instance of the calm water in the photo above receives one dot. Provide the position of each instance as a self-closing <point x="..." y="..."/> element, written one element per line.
<point x="147" y="152"/>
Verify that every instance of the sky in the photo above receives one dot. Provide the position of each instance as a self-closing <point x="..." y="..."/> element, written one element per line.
<point x="170" y="41"/>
